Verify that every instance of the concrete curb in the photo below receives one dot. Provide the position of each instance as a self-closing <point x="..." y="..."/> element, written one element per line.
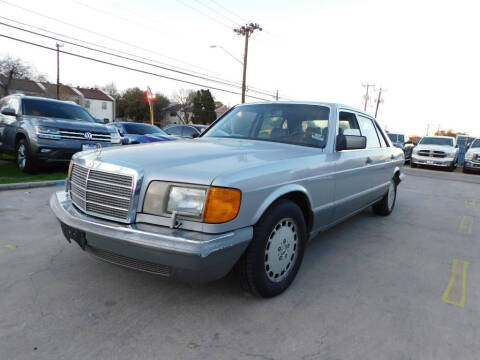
<point x="31" y="185"/>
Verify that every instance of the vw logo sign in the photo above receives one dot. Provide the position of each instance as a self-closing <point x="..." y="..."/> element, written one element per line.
<point x="88" y="136"/>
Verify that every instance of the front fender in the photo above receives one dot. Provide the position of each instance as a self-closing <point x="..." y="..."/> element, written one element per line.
<point x="277" y="194"/>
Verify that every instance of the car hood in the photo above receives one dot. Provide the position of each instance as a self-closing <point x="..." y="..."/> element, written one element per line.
<point x="197" y="161"/>
<point x="445" y="148"/>
<point x="474" y="151"/>
<point x="68" y="124"/>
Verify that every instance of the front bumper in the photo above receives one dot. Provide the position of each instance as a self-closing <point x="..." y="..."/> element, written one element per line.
<point x="433" y="161"/>
<point x="180" y="254"/>
<point x="472" y="165"/>
<point x="60" y="150"/>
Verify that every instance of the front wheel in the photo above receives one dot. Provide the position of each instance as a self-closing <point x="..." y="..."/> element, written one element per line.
<point x="25" y="161"/>
<point x="271" y="261"/>
<point x="412" y="164"/>
<point x="385" y="206"/>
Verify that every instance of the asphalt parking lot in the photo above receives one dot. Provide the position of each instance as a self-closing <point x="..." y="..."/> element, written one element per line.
<point x="370" y="288"/>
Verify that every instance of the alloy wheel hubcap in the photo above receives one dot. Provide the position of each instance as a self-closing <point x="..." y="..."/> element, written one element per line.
<point x="391" y="194"/>
<point x="281" y="250"/>
<point x="21" y="159"/>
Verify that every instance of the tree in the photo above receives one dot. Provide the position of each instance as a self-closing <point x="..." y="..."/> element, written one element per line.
<point x="449" y="132"/>
<point x="13" y="68"/>
<point x="204" y="107"/>
<point x="132" y="104"/>
<point x="111" y="89"/>
<point x="218" y="104"/>
<point x="184" y="97"/>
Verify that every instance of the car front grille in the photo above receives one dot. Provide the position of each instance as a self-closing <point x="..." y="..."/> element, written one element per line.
<point x="101" y="193"/>
<point x="439" y="154"/>
<point x="85" y="135"/>
<point x="424" y="153"/>
<point x="129" y="262"/>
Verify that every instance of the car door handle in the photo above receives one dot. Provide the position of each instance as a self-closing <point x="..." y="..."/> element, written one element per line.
<point x="392" y="156"/>
<point x="369" y="160"/>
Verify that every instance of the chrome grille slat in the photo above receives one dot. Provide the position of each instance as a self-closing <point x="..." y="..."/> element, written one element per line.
<point x="78" y="135"/>
<point x="110" y="197"/>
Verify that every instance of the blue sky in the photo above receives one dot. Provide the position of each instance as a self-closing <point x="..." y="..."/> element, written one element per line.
<point x="424" y="53"/>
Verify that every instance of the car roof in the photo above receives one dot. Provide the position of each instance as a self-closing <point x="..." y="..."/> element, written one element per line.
<point x="43" y="99"/>
<point x="328" y="104"/>
<point x="439" y="136"/>
<point x="130" y="122"/>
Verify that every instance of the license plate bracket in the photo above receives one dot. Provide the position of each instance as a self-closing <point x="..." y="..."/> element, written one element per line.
<point x="74" y="234"/>
<point x="86" y="147"/>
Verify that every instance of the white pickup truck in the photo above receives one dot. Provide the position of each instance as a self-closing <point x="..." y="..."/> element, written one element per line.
<point x="438" y="151"/>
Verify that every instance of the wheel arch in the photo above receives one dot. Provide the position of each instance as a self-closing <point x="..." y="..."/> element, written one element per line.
<point x="293" y="192"/>
<point x="396" y="175"/>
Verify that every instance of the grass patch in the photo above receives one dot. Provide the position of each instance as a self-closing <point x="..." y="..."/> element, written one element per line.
<point x="7" y="157"/>
<point x="9" y="174"/>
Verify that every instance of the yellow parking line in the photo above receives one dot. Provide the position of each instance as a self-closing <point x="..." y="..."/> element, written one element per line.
<point x="456" y="291"/>
<point x="10" y="247"/>
<point x="466" y="225"/>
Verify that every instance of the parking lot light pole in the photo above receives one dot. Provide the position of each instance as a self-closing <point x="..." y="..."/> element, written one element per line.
<point x="246" y="31"/>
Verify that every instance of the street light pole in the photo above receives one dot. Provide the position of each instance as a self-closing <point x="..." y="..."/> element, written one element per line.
<point x="246" y="31"/>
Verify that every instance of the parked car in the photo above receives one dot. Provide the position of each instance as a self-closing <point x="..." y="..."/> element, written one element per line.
<point x="186" y="131"/>
<point x="138" y="133"/>
<point x="39" y="130"/>
<point x="439" y="151"/>
<point x="472" y="157"/>
<point x="237" y="196"/>
<point x="401" y="141"/>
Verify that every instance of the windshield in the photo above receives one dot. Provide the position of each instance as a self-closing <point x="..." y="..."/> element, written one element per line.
<point x="305" y="125"/>
<point x="476" y="144"/>
<point x="393" y="137"/>
<point x="142" y="129"/>
<point x="397" y="138"/>
<point x="436" y="141"/>
<point x="54" y="109"/>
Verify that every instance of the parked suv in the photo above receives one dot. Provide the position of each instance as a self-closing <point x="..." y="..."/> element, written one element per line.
<point x="472" y="157"/>
<point x="39" y="130"/>
<point x="249" y="192"/>
<point x="439" y="151"/>
<point x="402" y="142"/>
<point x="186" y="131"/>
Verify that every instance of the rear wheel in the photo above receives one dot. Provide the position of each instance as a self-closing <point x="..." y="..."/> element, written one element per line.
<point x="412" y="164"/>
<point x="25" y="161"/>
<point x="271" y="261"/>
<point x="385" y="206"/>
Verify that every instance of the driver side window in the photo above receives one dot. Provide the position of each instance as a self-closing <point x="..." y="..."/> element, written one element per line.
<point x="348" y="124"/>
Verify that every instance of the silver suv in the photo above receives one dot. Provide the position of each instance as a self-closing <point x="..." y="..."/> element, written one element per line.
<point x="39" y="130"/>
<point x="472" y="157"/>
<point x="248" y="193"/>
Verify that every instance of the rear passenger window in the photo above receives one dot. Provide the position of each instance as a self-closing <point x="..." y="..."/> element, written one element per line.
<point x="348" y="124"/>
<point x="369" y="131"/>
<point x="381" y="135"/>
<point x="175" y="130"/>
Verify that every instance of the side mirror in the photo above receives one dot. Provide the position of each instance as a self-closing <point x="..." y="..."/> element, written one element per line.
<point x="195" y="135"/>
<point x="456" y="146"/>
<point x="351" y="142"/>
<point x="9" y="112"/>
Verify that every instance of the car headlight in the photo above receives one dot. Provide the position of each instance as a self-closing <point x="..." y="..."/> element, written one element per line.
<point x="47" y="132"/>
<point x="415" y="151"/>
<point x="469" y="156"/>
<point x="212" y="205"/>
<point x="115" y="137"/>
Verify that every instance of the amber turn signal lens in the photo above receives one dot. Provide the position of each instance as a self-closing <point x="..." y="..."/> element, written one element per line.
<point x="223" y="205"/>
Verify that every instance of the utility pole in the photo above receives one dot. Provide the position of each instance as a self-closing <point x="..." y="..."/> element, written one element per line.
<point x="379" y="100"/>
<point x="246" y="31"/>
<point x="366" y="94"/>
<point x="276" y="96"/>
<point x="58" y="69"/>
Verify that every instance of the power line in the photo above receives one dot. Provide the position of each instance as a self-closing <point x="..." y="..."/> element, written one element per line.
<point x="127" y="67"/>
<point x="126" y="58"/>
<point x="229" y="11"/>
<point x="217" y="12"/>
<point x="202" y="13"/>
<point x="172" y="68"/>
<point x="98" y="34"/>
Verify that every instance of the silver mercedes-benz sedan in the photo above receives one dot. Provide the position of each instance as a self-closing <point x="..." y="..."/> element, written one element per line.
<point x="246" y="195"/>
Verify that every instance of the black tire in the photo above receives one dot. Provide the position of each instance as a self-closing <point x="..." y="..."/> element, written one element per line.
<point x="465" y="170"/>
<point x="412" y="164"/>
<point x="383" y="207"/>
<point x="252" y="266"/>
<point x="452" y="167"/>
<point x="25" y="161"/>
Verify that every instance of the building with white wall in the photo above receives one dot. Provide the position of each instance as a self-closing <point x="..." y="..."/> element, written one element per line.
<point x="98" y="103"/>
